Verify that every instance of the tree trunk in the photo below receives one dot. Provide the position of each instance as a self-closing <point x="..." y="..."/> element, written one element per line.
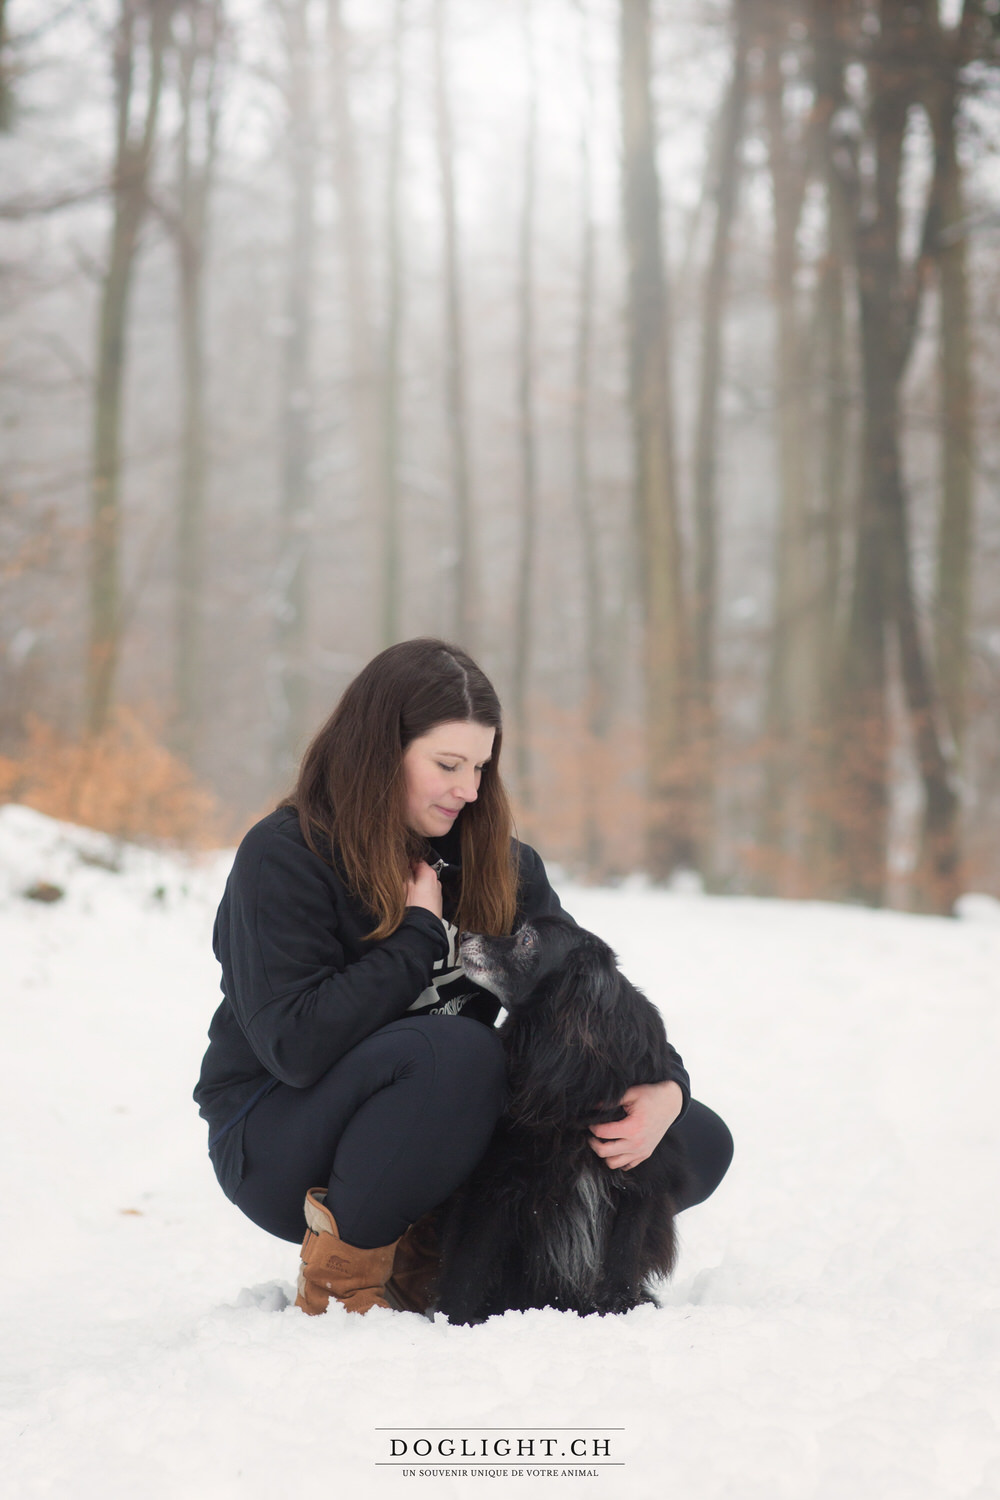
<point x="524" y="619"/>
<point x="706" y="443"/>
<point x="6" y="100"/>
<point x="864" y="795"/>
<point x="935" y="882"/>
<point x="669" y="842"/>
<point x="198" y="59"/>
<point x="594" y="664"/>
<point x="952" y="602"/>
<point x="290" y="706"/>
<point x="888" y="318"/>
<point x="133" y="157"/>
<point x="830" y="23"/>
<point x="788" y="705"/>
<point x="464" y="591"/>
<point x="391" y="517"/>
<point x="364" y="383"/>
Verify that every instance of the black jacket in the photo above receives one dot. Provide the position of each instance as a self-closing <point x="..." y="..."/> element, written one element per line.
<point x="302" y="985"/>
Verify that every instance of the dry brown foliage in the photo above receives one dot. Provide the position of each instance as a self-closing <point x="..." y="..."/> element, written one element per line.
<point x="589" y="812"/>
<point x="588" y="803"/>
<point x="123" y="781"/>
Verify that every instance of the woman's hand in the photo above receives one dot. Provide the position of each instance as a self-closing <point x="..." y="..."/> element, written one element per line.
<point x="424" y="889"/>
<point x="651" y="1110"/>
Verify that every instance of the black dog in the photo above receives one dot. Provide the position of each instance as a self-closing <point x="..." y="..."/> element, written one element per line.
<point x="543" y="1221"/>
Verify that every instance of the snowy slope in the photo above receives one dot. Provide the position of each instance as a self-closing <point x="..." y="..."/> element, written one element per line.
<point x="833" y="1329"/>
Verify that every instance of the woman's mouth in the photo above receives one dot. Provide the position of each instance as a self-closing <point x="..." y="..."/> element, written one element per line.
<point x="449" y="812"/>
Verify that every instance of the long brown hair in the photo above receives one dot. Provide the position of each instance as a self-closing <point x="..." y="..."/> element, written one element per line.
<point x="351" y="796"/>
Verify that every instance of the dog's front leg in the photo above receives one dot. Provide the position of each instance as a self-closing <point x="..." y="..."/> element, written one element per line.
<point x="477" y="1243"/>
<point x="640" y="1246"/>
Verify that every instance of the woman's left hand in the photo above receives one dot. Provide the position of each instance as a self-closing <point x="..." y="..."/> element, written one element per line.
<point x="652" y="1109"/>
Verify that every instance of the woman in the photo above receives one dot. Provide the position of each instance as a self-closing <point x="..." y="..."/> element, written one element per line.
<point x="350" y="1050"/>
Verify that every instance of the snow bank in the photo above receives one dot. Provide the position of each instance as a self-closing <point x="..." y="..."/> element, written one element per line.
<point x="833" y="1329"/>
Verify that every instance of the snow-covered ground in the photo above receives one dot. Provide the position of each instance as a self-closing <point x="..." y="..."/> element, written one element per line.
<point x="833" y="1329"/>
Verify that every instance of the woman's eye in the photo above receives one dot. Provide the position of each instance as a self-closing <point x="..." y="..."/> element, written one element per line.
<point x="446" y="768"/>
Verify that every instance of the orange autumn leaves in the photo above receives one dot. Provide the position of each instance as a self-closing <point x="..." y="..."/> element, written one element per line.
<point x="122" y="781"/>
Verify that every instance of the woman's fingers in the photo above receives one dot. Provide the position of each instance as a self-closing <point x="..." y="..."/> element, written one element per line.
<point x="615" y="1151"/>
<point x="424" y="889"/>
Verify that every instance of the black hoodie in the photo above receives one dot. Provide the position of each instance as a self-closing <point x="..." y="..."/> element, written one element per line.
<point x="302" y="984"/>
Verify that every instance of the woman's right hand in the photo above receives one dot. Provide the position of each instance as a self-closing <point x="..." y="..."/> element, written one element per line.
<point x="424" y="888"/>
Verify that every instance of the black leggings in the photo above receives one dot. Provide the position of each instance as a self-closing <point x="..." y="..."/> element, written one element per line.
<point x="394" y="1127"/>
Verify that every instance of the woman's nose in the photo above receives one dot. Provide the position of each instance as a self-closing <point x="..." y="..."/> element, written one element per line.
<point x="468" y="787"/>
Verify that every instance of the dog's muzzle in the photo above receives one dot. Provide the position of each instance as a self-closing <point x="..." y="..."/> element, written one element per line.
<point x="476" y="964"/>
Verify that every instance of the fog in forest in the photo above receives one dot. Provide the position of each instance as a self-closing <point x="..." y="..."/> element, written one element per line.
<point x="649" y="351"/>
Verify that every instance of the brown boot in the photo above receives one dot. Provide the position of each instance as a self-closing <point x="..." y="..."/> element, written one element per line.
<point x="331" y="1268"/>
<point x="413" y="1282"/>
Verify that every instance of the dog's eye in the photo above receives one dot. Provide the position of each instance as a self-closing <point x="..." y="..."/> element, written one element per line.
<point x="527" y="939"/>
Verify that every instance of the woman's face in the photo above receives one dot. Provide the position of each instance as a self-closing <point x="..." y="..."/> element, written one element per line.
<point x="442" y="771"/>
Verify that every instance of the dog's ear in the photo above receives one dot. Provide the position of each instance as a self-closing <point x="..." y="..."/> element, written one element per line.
<point x="589" y="982"/>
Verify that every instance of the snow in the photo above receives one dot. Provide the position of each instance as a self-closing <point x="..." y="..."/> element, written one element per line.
<point x="833" y="1328"/>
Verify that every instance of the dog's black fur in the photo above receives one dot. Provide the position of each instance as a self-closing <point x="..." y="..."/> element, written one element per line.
<point x="543" y="1221"/>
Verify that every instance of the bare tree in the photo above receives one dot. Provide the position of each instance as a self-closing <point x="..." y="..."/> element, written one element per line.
<point x="391" y="580"/>
<point x="198" y="53"/>
<point x="948" y="53"/>
<point x="727" y="171"/>
<point x="364" y="388"/>
<point x="464" y="591"/>
<point x="597" y="687"/>
<point x="830" y="24"/>
<point x="140" y="40"/>
<point x="290" y="676"/>
<point x="669" y="840"/>
<point x="789" y="703"/>
<point x="6" y="101"/>
<point x="884" y="596"/>
<point x="527" y="441"/>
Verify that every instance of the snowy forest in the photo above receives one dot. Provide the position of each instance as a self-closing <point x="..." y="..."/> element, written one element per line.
<point x="651" y="352"/>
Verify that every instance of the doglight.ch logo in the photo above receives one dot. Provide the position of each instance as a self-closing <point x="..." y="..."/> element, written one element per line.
<point x="499" y="1452"/>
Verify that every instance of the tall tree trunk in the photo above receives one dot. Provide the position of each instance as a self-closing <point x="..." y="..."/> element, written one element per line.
<point x="391" y="518"/>
<point x="888" y="319"/>
<point x="830" y="21"/>
<point x="669" y="842"/>
<point x="290" y="706"/>
<point x="524" y="620"/>
<point x="935" y="882"/>
<point x="6" y="98"/>
<point x="464" y="591"/>
<point x="199" y="112"/>
<point x="728" y="170"/>
<point x="596" y="693"/>
<point x="789" y="682"/>
<point x="863" y="800"/>
<point x="955" y="532"/>
<point x="952" y="601"/>
<point x="364" y="384"/>
<point x="141" y="27"/>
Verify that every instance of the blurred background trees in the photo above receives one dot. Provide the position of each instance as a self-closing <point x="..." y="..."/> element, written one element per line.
<point x="651" y="351"/>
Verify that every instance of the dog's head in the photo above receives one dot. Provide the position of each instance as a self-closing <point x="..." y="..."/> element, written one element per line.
<point x="514" y="968"/>
<point x="577" y="1034"/>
